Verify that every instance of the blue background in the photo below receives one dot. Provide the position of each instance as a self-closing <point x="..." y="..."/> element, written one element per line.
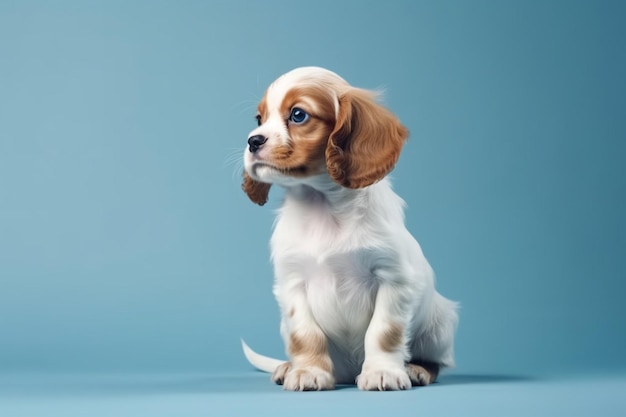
<point x="126" y="244"/>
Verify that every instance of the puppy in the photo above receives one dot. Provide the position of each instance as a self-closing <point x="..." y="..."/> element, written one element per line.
<point x="356" y="294"/>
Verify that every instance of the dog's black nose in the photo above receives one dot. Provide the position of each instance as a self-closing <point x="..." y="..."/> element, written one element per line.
<point x="255" y="142"/>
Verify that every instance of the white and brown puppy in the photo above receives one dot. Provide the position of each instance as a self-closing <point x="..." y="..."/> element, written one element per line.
<point x="356" y="294"/>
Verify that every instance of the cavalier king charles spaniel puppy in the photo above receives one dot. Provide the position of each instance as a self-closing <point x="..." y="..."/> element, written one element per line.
<point x="356" y="295"/>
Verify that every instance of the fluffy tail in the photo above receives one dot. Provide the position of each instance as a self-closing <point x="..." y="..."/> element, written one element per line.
<point x="262" y="363"/>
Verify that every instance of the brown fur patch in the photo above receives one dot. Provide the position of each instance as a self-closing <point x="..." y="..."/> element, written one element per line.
<point x="392" y="338"/>
<point x="257" y="191"/>
<point x="316" y="100"/>
<point x="366" y="141"/>
<point x="311" y="350"/>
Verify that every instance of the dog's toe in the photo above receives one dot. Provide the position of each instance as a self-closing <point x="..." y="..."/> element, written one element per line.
<point x="279" y="374"/>
<point x="422" y="374"/>
<point x="383" y="380"/>
<point x="308" y="379"/>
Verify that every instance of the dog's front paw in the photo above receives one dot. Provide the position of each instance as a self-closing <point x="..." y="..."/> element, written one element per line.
<point x="383" y="380"/>
<point x="308" y="379"/>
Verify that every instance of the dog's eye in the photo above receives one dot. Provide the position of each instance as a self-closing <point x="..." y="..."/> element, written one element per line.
<point x="298" y="116"/>
<point x="258" y="120"/>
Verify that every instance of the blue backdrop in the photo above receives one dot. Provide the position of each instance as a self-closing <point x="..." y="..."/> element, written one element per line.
<point x="127" y="244"/>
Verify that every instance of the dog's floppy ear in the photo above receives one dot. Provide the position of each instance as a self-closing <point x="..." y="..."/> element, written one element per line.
<point x="366" y="141"/>
<point x="257" y="191"/>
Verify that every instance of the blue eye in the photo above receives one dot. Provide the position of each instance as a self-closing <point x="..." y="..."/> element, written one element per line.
<point x="298" y="116"/>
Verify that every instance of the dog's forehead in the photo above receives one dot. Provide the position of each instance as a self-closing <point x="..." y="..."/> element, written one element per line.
<point x="299" y="77"/>
<point x="277" y="91"/>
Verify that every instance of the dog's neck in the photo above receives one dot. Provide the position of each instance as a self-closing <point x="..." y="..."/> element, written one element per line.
<point x="320" y="192"/>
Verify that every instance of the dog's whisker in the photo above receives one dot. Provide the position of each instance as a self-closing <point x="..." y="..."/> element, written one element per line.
<point x="232" y="160"/>
<point x="233" y="156"/>
<point x="237" y="171"/>
<point x="247" y="105"/>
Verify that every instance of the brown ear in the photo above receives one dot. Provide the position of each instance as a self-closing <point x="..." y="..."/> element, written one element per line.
<point x="257" y="191"/>
<point x="366" y="141"/>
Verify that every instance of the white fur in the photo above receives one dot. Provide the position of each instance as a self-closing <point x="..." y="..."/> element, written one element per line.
<point x="345" y="262"/>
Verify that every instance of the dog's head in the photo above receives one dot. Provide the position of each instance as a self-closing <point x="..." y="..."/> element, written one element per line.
<point x="312" y="122"/>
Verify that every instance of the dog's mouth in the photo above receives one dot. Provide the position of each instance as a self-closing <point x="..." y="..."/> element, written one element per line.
<point x="259" y="167"/>
<point x="297" y="171"/>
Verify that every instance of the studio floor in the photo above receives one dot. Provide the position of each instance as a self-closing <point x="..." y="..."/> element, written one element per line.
<point x="252" y="394"/>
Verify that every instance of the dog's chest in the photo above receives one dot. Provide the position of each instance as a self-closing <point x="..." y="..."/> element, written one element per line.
<point x="335" y="266"/>
<point x="340" y="291"/>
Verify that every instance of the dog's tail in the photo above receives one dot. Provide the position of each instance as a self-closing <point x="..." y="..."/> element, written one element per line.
<point x="262" y="363"/>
